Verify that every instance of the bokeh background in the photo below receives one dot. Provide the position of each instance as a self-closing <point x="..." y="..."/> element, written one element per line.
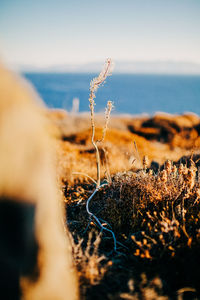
<point x="60" y="45"/>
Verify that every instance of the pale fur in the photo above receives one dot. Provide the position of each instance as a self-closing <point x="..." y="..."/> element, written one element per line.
<point x="27" y="172"/>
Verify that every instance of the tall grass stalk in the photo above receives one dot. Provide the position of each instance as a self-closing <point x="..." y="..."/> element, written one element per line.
<point x="94" y="85"/>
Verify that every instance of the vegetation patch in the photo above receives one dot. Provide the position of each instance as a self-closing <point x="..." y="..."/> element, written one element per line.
<point x="135" y="233"/>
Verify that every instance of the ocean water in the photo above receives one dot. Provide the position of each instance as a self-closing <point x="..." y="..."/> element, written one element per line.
<point x="131" y="93"/>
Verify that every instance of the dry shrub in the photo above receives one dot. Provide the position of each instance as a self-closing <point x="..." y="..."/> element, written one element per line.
<point x="90" y="264"/>
<point x="146" y="290"/>
<point x="156" y="218"/>
<point x="159" y="211"/>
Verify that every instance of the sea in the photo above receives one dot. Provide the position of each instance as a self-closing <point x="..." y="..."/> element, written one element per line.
<point x="131" y="93"/>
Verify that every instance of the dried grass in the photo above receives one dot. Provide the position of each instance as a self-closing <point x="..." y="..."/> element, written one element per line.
<point x="156" y="218"/>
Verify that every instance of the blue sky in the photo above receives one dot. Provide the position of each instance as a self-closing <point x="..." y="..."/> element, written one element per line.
<point x="45" y="33"/>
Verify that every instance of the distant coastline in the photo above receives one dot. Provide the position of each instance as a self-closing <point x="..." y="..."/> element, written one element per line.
<point x="121" y="67"/>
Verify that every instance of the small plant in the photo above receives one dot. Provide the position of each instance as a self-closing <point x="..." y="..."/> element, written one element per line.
<point x="91" y="267"/>
<point x="94" y="85"/>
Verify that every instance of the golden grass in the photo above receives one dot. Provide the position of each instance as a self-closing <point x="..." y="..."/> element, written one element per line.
<point x="76" y="153"/>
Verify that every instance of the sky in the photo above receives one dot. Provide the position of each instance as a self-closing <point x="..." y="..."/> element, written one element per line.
<point x="46" y="33"/>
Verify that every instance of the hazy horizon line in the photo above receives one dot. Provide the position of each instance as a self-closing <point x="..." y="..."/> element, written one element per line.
<point x="121" y="66"/>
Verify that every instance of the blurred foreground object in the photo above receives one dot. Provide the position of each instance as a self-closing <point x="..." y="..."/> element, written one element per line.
<point x="35" y="253"/>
